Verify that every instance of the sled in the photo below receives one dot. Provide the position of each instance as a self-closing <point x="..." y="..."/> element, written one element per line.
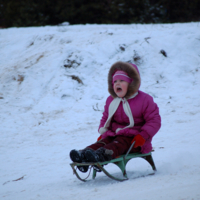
<point x="121" y="162"/>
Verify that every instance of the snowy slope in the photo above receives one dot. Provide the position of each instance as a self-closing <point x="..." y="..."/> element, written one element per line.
<point x="53" y="86"/>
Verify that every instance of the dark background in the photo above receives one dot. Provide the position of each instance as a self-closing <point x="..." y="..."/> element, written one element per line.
<point x="23" y="13"/>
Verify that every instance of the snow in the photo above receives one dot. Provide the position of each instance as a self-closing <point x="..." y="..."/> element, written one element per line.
<point x="45" y="113"/>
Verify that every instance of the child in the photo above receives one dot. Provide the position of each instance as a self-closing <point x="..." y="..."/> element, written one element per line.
<point x="130" y="115"/>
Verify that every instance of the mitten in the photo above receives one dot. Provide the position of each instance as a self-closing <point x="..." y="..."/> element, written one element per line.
<point x="139" y="141"/>
<point x="99" y="138"/>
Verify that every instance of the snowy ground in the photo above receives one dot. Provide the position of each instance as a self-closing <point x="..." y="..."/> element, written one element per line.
<point x="53" y="86"/>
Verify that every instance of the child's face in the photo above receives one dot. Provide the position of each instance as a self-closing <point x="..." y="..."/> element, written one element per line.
<point x="120" y="88"/>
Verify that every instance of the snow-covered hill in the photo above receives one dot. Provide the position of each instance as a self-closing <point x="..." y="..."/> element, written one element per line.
<point x="53" y="86"/>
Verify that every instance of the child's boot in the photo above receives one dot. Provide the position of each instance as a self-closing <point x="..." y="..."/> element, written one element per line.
<point x="79" y="157"/>
<point x="100" y="155"/>
<point x="93" y="156"/>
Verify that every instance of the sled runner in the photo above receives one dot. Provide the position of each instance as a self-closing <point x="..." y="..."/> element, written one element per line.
<point x="120" y="162"/>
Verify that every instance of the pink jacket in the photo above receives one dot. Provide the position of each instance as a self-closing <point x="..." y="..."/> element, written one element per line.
<point x="147" y="120"/>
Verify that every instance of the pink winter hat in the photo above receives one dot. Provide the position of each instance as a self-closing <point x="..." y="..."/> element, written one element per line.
<point x="121" y="75"/>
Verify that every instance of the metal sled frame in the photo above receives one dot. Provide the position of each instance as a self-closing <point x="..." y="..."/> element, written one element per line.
<point x="120" y="162"/>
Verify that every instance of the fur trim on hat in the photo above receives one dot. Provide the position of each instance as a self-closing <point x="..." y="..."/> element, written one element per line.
<point x="132" y="73"/>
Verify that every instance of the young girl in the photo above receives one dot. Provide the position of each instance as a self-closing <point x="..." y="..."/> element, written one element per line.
<point x="130" y="115"/>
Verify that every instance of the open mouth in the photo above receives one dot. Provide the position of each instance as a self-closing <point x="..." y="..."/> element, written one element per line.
<point x="119" y="89"/>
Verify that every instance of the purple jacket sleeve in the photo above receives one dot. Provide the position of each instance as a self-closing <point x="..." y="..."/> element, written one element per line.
<point x="152" y="119"/>
<point x="105" y="114"/>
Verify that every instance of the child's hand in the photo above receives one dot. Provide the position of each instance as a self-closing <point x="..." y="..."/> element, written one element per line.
<point x="139" y="141"/>
<point x="99" y="138"/>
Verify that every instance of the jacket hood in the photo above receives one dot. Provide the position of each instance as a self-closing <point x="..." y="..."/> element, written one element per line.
<point x="132" y="72"/>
